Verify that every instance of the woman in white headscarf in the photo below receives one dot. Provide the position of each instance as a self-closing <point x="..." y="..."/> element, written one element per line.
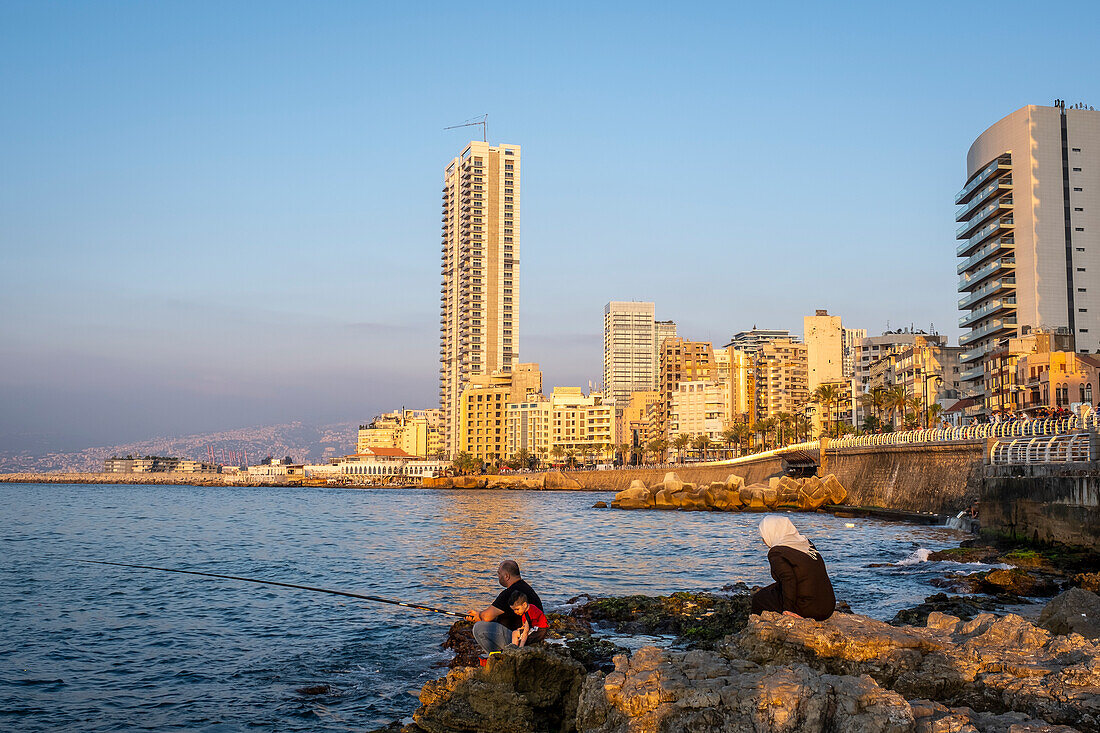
<point x="802" y="586"/>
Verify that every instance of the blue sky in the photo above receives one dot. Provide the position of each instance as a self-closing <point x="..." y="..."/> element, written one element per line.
<point x="215" y="215"/>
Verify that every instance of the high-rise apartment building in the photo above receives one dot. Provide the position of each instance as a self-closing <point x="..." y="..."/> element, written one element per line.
<point x="852" y="337"/>
<point x="665" y="330"/>
<point x="781" y="379"/>
<point x="479" y="297"/>
<point x="630" y="359"/>
<point x="682" y="361"/>
<point x="1029" y="234"/>
<point x="751" y="341"/>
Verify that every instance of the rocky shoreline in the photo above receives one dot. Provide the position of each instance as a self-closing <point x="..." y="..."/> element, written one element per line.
<point x="954" y="663"/>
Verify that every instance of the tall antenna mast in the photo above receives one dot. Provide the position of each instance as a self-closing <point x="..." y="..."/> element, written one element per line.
<point x="474" y="122"/>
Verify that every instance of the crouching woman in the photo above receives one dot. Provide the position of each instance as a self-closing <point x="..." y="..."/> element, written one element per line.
<point x="802" y="586"/>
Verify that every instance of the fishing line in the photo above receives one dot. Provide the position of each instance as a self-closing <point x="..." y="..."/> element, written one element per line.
<point x="346" y="594"/>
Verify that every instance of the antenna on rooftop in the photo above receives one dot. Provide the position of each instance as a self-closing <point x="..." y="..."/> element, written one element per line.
<point x="474" y="122"/>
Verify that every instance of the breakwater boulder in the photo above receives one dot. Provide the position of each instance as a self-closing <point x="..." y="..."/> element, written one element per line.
<point x="783" y="492"/>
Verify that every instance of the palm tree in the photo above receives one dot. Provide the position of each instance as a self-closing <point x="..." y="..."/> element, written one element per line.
<point x="557" y="451"/>
<point x="571" y="457"/>
<point x="701" y="443"/>
<point x="782" y="421"/>
<point x="522" y="458"/>
<point x="828" y="395"/>
<point x="897" y="399"/>
<point x="659" y="448"/>
<point x="802" y="426"/>
<point x="765" y="426"/>
<point x="730" y="436"/>
<point x="878" y="397"/>
<point x="932" y="415"/>
<point x="680" y="443"/>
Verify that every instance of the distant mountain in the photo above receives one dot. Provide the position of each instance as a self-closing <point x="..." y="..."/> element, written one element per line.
<point x="303" y="443"/>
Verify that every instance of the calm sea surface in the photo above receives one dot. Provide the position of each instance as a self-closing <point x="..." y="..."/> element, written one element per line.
<point x="93" y="648"/>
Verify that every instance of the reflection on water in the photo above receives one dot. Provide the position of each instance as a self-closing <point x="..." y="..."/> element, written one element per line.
<point x="105" y="649"/>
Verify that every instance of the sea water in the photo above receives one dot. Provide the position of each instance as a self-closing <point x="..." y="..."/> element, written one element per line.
<point x="94" y="648"/>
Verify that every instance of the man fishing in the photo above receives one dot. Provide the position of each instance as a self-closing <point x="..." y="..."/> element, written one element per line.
<point x="493" y="626"/>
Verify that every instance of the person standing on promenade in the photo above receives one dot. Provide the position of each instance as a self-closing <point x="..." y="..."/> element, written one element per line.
<point x="493" y="626"/>
<point x="802" y="586"/>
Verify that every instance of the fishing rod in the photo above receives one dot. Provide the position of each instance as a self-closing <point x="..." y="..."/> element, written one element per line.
<point x="347" y="594"/>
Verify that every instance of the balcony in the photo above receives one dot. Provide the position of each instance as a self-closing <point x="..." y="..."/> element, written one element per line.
<point x="985" y="291"/>
<point x="987" y="310"/>
<point x="1002" y="225"/>
<point x="997" y="187"/>
<point x="997" y="245"/>
<point x="971" y="374"/>
<point x="969" y="280"/>
<point x="976" y="353"/>
<point x="993" y="169"/>
<point x="984" y="214"/>
<point x="995" y="326"/>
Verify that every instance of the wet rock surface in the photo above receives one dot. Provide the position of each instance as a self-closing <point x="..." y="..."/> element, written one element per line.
<point x="989" y="664"/>
<point x="965" y="607"/>
<point x="1077" y="611"/>
<point x="696" y="619"/>
<point x="519" y="691"/>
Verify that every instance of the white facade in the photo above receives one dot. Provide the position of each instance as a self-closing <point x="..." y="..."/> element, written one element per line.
<point x="630" y="360"/>
<point x="1029" y="234"/>
<point x="699" y="408"/>
<point x="366" y="467"/>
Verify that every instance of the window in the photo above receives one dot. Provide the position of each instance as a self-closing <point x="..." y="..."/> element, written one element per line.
<point x="1075" y="208"/>
<point x="1080" y="249"/>
<point x="1077" y="150"/>
<point x="1077" y="189"/>
<point x="1082" y="310"/>
<point x="1083" y="330"/>
<point x="1076" y="170"/>
<point x="1081" y="290"/>
<point x="1080" y="269"/>
<point x="1078" y="229"/>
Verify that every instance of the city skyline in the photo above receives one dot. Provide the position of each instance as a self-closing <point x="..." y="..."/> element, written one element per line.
<point x="182" y="257"/>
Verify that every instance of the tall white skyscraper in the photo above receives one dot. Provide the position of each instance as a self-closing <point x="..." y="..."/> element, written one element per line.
<point x="479" y="294"/>
<point x="1029" y="234"/>
<point x="630" y="358"/>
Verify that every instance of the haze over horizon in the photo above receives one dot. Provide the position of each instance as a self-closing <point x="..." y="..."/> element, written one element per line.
<point x="220" y="216"/>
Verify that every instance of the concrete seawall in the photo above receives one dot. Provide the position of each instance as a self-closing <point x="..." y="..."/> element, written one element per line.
<point x="937" y="478"/>
<point x="1044" y="503"/>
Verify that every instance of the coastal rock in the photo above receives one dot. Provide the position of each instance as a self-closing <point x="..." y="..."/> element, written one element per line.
<point x="671" y="482"/>
<point x="521" y="690"/>
<point x="1088" y="581"/>
<point x="698" y="619"/>
<point x="665" y="500"/>
<point x="1077" y="611"/>
<point x="734" y="482"/>
<point x="698" y="691"/>
<point x="719" y="496"/>
<point x="752" y="496"/>
<point x="812" y="494"/>
<point x="964" y="607"/>
<point x="989" y="664"/>
<point x="693" y="499"/>
<point x="770" y="496"/>
<point x="558" y="481"/>
<point x="834" y="489"/>
<point x="469" y="482"/>
<point x="1014" y="582"/>
<point x="438" y="482"/>
<point x="636" y="497"/>
<point x="787" y="489"/>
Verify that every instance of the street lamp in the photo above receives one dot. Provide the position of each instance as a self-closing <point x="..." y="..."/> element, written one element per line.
<point x="927" y="379"/>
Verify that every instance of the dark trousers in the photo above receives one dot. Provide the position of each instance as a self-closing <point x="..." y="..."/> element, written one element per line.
<point x="768" y="599"/>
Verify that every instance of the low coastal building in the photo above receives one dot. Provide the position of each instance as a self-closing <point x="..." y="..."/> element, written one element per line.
<point x="388" y="465"/>
<point x="417" y="432"/>
<point x="157" y="464"/>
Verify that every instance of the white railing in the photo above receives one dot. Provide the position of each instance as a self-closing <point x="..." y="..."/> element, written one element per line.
<point x="1042" y="449"/>
<point x="1040" y="427"/>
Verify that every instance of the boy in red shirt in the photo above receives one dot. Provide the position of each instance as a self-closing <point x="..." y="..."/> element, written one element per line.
<point x="532" y="619"/>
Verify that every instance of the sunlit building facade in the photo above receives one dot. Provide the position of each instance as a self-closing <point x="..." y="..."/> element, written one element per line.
<point x="479" y="293"/>
<point x="1029" y="235"/>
